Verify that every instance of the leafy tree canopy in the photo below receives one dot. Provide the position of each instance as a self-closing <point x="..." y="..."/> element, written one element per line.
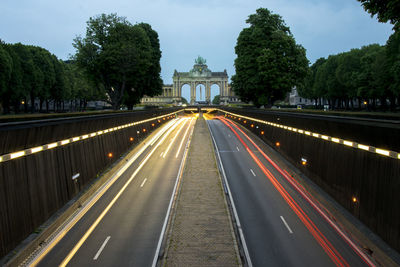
<point x="5" y="69"/>
<point x="269" y="62"/>
<point x="216" y="100"/>
<point x="388" y="10"/>
<point x="120" y="58"/>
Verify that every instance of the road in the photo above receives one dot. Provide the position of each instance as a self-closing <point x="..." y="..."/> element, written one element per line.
<point x="124" y="225"/>
<point x="281" y="224"/>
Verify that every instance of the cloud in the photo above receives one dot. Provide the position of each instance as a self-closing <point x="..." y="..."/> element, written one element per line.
<point x="188" y="28"/>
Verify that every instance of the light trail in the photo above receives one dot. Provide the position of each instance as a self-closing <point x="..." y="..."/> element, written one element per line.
<point x="173" y="139"/>
<point x="109" y="206"/>
<point x="319" y="237"/>
<point x="184" y="136"/>
<point x="86" y="207"/>
<point x="315" y="204"/>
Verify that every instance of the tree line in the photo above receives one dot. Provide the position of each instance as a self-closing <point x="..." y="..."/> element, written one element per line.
<point x="269" y="64"/>
<point x="116" y="62"/>
<point x="31" y="79"/>
<point x="367" y="76"/>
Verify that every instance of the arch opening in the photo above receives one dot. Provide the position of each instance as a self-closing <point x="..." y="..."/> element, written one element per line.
<point x="215" y="91"/>
<point x="200" y="92"/>
<point x="185" y="93"/>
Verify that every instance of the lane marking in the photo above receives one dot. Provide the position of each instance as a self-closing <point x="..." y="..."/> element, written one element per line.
<point x="229" y="135"/>
<point x="287" y="226"/>
<point x="101" y="248"/>
<point x="331" y="251"/>
<point x="238" y="224"/>
<point x="105" y="211"/>
<point x="173" y="196"/>
<point x="99" y="193"/>
<point x="253" y="173"/>
<point x="347" y="239"/>
<point x="144" y="181"/>
<point x="161" y="154"/>
<point x="237" y="148"/>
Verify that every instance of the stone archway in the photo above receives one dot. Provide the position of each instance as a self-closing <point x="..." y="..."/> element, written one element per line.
<point x="201" y="74"/>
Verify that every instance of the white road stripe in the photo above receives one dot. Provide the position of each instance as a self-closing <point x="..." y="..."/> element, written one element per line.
<point x="101" y="248"/>
<point x="161" y="154"/>
<point x="238" y="224"/>
<point x="287" y="226"/>
<point x="237" y="148"/>
<point x="144" y="181"/>
<point x="252" y="172"/>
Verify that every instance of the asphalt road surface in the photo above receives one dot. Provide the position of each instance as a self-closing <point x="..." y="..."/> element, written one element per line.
<point x="280" y="226"/>
<point x="124" y="225"/>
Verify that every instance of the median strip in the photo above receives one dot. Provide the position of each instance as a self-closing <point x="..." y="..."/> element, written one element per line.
<point x="201" y="232"/>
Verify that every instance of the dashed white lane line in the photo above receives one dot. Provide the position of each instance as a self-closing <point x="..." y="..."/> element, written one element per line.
<point x="287" y="226"/>
<point x="253" y="172"/>
<point x="144" y="181"/>
<point x="101" y="248"/>
<point x="161" y="154"/>
<point x="237" y="148"/>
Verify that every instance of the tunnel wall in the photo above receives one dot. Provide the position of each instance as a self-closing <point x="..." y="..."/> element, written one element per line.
<point x="34" y="187"/>
<point x="342" y="171"/>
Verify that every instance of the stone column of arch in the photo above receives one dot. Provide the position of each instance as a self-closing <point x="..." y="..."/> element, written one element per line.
<point x="192" y="93"/>
<point x="208" y="92"/>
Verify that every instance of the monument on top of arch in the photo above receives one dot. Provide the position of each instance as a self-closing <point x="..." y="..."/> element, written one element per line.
<point x="201" y="74"/>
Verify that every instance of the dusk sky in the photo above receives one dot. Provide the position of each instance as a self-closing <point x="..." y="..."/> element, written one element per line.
<point x="189" y="28"/>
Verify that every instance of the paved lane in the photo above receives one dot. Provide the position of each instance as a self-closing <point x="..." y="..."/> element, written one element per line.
<point x="280" y="227"/>
<point x="123" y="227"/>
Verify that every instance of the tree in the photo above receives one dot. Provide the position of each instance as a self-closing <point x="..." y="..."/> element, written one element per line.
<point x="216" y="100"/>
<point x="150" y="82"/>
<point x="30" y="74"/>
<point x="388" y="10"/>
<point x="308" y="88"/>
<point x="5" y="76"/>
<point x="116" y="56"/>
<point x="45" y="73"/>
<point x="269" y="63"/>
<point x="393" y="63"/>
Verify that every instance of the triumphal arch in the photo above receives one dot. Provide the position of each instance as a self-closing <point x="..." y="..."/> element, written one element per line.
<point x="201" y="74"/>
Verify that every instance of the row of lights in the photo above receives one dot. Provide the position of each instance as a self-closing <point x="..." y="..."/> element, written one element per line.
<point x="372" y="149"/>
<point x="29" y="151"/>
<point x="303" y="160"/>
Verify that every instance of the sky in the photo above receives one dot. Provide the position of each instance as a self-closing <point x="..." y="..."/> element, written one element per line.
<point x="188" y="28"/>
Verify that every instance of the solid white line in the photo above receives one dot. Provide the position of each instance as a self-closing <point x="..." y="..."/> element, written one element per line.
<point x="252" y="172"/>
<point x="101" y="248"/>
<point x="144" y="181"/>
<point x="161" y="154"/>
<point x="237" y="148"/>
<point x="287" y="226"/>
<point x="239" y="226"/>
<point x="155" y="259"/>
